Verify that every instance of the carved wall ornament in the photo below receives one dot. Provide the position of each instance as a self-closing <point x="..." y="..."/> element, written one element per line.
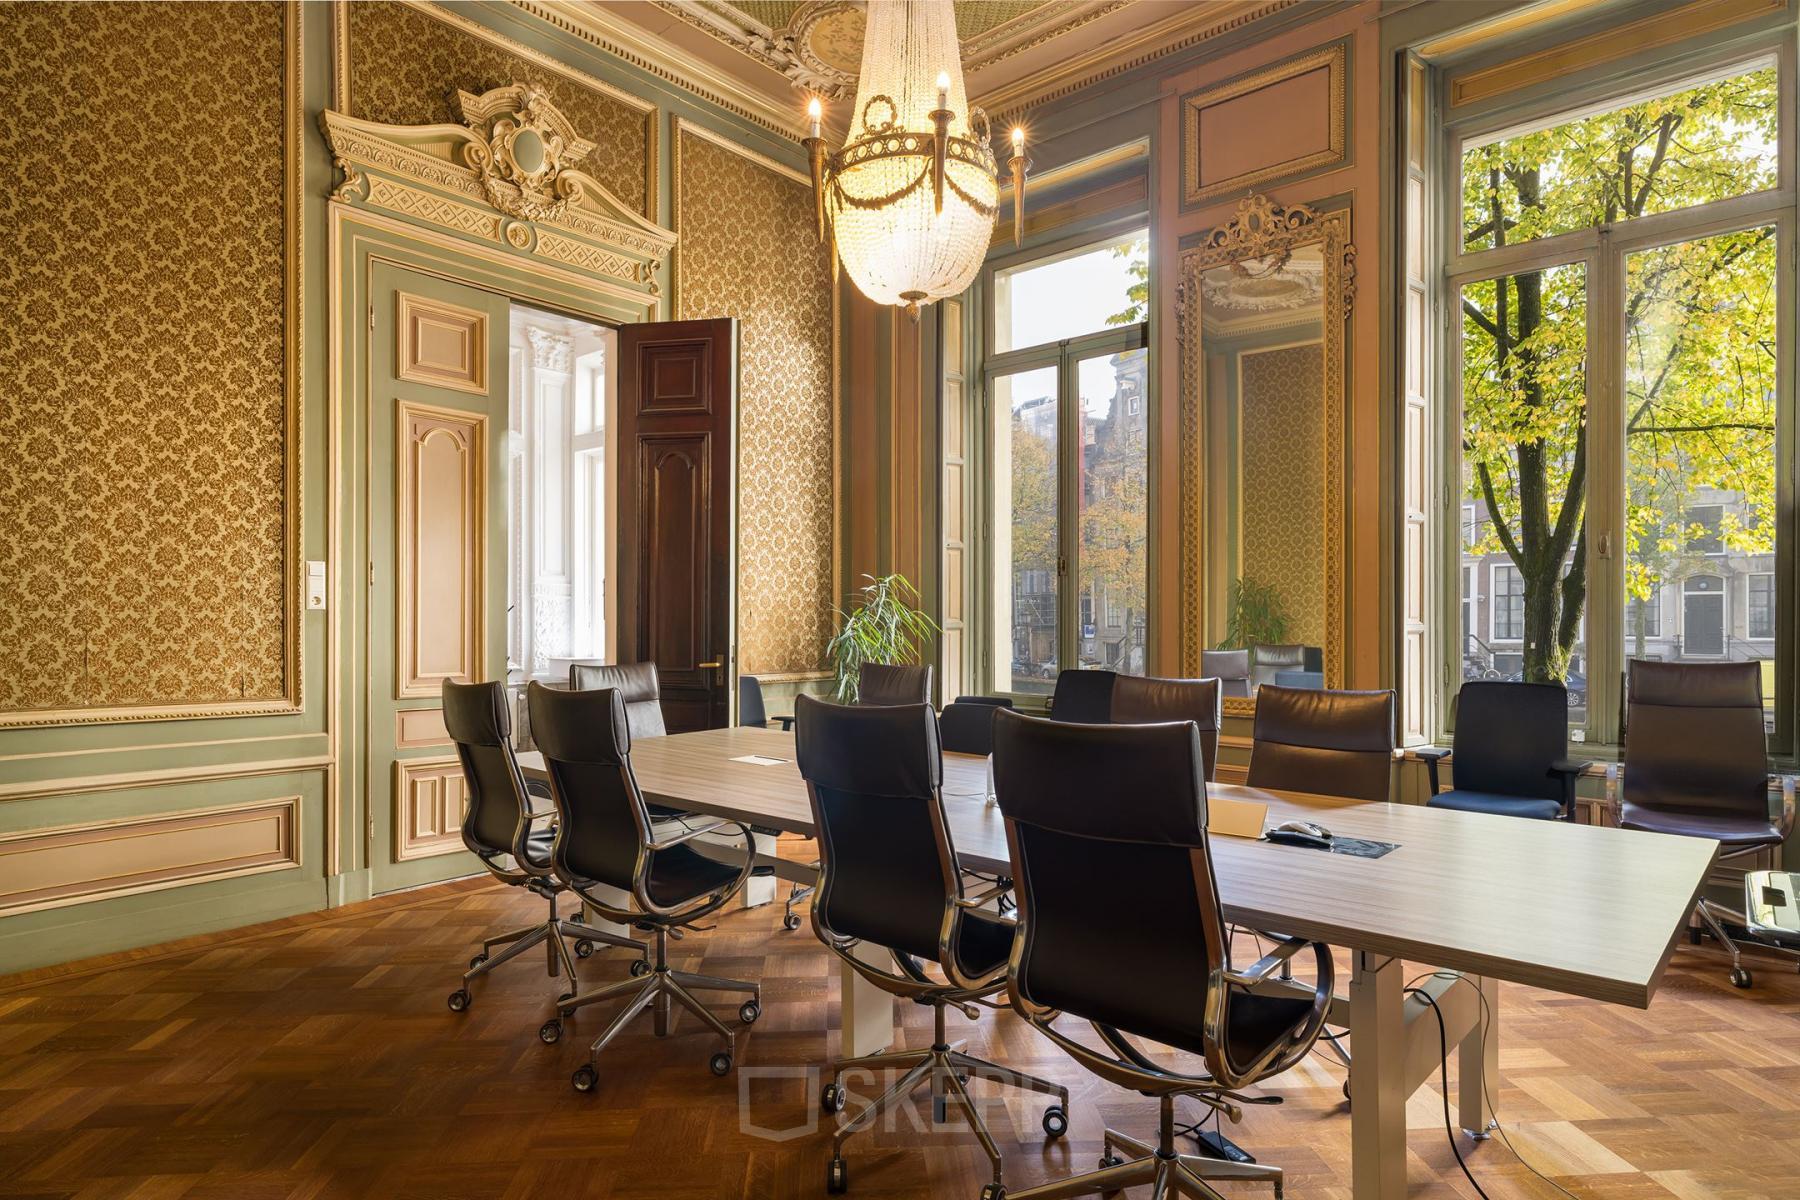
<point x="550" y="351"/>
<point x="508" y="174"/>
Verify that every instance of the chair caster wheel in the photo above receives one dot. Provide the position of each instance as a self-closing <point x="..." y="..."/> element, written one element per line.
<point x="459" y="1000"/>
<point x="1346" y="1091"/>
<point x="720" y="1063"/>
<point x="566" y="997"/>
<point x="584" y="949"/>
<point x="477" y="960"/>
<point x="550" y="1032"/>
<point x="1109" y="1159"/>
<point x="584" y="1079"/>
<point x="993" y="1191"/>
<point x="831" y="1098"/>
<point x="1056" y="1121"/>
<point x="837" y="1177"/>
<point x="748" y="1011"/>
<point x="790" y="921"/>
<point x="1740" y="977"/>
<point x="639" y="967"/>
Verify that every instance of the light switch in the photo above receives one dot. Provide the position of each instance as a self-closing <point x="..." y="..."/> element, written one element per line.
<point x="315" y="585"/>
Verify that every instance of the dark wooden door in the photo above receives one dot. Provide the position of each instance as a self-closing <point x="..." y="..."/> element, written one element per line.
<point x="677" y="424"/>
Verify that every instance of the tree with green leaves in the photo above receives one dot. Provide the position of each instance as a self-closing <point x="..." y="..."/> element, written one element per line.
<point x="1699" y="329"/>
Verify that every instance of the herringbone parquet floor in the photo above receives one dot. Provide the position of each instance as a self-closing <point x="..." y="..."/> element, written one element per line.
<point x="316" y="1058"/>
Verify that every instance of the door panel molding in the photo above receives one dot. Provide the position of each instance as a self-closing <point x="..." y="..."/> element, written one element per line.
<point x="429" y="797"/>
<point x="441" y="547"/>
<point x="441" y="344"/>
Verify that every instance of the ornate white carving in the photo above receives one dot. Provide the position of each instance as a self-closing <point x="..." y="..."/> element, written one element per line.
<point x="550" y="351"/>
<point x="523" y="151"/>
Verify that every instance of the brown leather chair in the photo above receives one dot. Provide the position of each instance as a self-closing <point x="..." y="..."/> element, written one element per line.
<point x="1142" y="700"/>
<point x="1697" y="765"/>
<point x="884" y="683"/>
<point x="1267" y="660"/>
<point x="637" y="686"/>
<point x="1230" y="667"/>
<point x="1325" y="742"/>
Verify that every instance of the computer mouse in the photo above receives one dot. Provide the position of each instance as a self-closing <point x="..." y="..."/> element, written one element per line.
<point x="1300" y="833"/>
<point x="1310" y="828"/>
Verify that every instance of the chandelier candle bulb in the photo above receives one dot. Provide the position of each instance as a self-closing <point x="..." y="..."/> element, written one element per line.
<point x="909" y="200"/>
<point x="815" y="156"/>
<point x="1018" y="164"/>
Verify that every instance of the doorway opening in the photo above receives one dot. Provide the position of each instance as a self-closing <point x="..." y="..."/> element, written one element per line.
<point x="560" y="468"/>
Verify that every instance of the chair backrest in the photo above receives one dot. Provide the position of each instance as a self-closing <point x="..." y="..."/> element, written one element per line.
<point x="1142" y="700"/>
<point x="1088" y="874"/>
<point x="476" y="716"/>
<point x="1230" y="667"/>
<point x="1694" y="740"/>
<point x="1083" y="697"/>
<point x="751" y="710"/>
<point x="637" y="686"/>
<point x="1508" y="735"/>
<point x="1266" y="660"/>
<point x="1325" y="742"/>
<point x="602" y="824"/>
<point x="874" y="774"/>
<point x="885" y="683"/>
<point x="966" y="726"/>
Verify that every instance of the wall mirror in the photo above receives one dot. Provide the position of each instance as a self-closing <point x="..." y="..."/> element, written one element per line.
<point x="1264" y="299"/>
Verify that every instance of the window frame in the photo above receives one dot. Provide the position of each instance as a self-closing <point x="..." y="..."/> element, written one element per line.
<point x="1603" y="252"/>
<point x="1065" y="355"/>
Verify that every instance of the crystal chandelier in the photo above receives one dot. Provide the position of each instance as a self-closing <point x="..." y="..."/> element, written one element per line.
<point x="911" y="196"/>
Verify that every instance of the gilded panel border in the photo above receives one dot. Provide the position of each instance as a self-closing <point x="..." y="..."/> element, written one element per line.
<point x="1334" y="58"/>
<point x="292" y="699"/>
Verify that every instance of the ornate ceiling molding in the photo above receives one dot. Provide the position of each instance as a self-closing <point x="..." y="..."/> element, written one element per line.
<point x="511" y="174"/>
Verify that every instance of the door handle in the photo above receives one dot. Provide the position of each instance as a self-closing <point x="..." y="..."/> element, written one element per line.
<point x="710" y="664"/>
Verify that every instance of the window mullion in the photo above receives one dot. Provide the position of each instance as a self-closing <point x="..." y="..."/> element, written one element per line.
<point x="1605" y="490"/>
<point x="1068" y="496"/>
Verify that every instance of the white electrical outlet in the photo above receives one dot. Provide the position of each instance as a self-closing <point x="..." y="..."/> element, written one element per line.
<point x="315" y="585"/>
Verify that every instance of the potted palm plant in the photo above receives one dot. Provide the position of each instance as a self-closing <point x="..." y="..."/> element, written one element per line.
<point x="884" y="626"/>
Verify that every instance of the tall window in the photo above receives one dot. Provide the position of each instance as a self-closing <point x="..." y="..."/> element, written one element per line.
<point x="1620" y="368"/>
<point x="1066" y="375"/>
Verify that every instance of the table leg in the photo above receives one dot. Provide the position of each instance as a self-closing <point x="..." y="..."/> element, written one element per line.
<point x="760" y="889"/>
<point x="1478" y="1069"/>
<point x="1378" y="1081"/>
<point x="868" y="1012"/>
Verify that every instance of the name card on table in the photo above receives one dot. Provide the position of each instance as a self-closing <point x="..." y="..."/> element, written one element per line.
<point x="1235" y="818"/>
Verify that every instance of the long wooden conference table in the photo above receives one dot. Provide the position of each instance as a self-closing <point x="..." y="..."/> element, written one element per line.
<point x="1465" y="902"/>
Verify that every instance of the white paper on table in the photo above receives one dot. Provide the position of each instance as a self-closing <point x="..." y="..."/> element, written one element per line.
<point x="761" y="760"/>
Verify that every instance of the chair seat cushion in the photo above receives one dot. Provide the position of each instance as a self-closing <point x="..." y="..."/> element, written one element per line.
<point x="1535" y="807"/>
<point x="1738" y="831"/>
<point x="537" y="848"/>
<point x="984" y="945"/>
<point x="680" y="874"/>
<point x="1253" y="1023"/>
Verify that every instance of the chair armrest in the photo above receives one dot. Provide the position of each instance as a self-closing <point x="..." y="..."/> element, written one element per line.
<point x="1568" y="770"/>
<point x="787" y="723"/>
<point x="980" y="898"/>
<point x="1431" y="756"/>
<point x="690" y="833"/>
<point x="1259" y="970"/>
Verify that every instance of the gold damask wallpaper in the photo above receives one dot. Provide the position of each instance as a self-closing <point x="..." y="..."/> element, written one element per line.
<point x="143" y="388"/>
<point x="1283" y="424"/>
<point x="748" y="250"/>
<point x="407" y="63"/>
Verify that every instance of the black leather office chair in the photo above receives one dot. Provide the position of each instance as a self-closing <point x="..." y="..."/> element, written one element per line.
<point x="1326" y="742"/>
<point x="888" y="881"/>
<point x="605" y="838"/>
<point x="1083" y="697"/>
<point x="510" y="836"/>
<point x="1697" y="764"/>
<point x="1230" y="667"/>
<point x="1086" y="951"/>
<point x="966" y="725"/>
<point x="641" y="691"/>
<point x="752" y="713"/>
<point x="1143" y="700"/>
<point x="1511" y="752"/>
<point x="886" y="683"/>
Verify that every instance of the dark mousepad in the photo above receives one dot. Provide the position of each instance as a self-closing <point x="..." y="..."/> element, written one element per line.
<point x="1357" y="847"/>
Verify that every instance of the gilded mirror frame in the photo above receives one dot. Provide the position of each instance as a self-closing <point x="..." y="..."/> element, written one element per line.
<point x="1258" y="229"/>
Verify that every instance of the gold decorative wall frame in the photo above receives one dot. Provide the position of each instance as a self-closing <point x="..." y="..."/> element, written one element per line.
<point x="287" y="697"/>
<point x="1333" y="59"/>
<point x="1261" y="228"/>
<point x="509" y="177"/>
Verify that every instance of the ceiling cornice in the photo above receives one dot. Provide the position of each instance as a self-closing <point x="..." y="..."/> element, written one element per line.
<point x="621" y="38"/>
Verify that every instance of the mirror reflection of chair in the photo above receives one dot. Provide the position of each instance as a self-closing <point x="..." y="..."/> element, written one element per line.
<point x="1511" y="753"/>
<point x="1697" y="764"/>
<point x="1266" y="662"/>
<point x="511" y="837"/>
<point x="887" y="683"/>
<point x="1230" y="667"/>
<point x="1329" y="743"/>
<point x="888" y="883"/>
<point x="1087" y="951"/>
<point x="605" y="838"/>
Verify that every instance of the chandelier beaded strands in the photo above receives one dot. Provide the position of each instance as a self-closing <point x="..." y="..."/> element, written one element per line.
<point x="910" y="198"/>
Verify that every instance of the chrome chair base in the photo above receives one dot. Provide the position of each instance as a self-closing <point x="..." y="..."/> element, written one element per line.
<point x="655" y="986"/>
<point x="1167" y="1172"/>
<point x="1713" y="917"/>
<point x="946" y="1068"/>
<point x="558" y="932"/>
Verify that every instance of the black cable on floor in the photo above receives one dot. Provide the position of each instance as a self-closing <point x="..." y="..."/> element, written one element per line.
<point x="1444" y="1082"/>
